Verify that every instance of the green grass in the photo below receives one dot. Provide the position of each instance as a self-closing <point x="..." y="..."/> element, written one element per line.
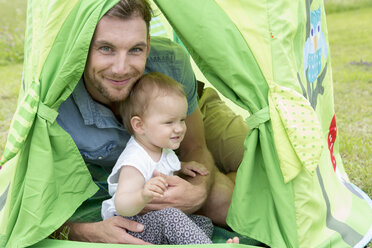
<point x="12" y="30"/>
<point x="10" y="78"/>
<point x="334" y="6"/>
<point x="350" y="38"/>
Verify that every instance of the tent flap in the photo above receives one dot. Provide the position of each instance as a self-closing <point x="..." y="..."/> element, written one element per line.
<point x="43" y="176"/>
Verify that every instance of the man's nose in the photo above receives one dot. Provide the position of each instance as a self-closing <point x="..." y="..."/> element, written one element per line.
<point x="120" y="65"/>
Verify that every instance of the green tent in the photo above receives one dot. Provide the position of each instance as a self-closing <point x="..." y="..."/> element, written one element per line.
<point x="271" y="58"/>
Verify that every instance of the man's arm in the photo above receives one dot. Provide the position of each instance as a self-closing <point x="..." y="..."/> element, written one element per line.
<point x="194" y="148"/>
<point x="111" y="230"/>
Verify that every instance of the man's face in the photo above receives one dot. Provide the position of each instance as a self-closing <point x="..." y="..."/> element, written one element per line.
<point x="116" y="58"/>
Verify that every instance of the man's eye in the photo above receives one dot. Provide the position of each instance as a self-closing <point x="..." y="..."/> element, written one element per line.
<point x="105" y="49"/>
<point x="136" y="50"/>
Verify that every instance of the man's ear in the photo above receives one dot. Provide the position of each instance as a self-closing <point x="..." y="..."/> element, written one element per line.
<point x="137" y="124"/>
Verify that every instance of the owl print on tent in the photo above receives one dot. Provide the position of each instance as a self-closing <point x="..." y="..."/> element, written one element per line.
<point x="315" y="49"/>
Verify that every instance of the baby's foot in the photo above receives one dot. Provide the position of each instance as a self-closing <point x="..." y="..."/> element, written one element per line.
<point x="234" y="240"/>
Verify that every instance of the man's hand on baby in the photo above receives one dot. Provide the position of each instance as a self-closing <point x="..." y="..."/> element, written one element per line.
<point x="155" y="187"/>
<point x="181" y="194"/>
<point x="192" y="168"/>
<point x="111" y="230"/>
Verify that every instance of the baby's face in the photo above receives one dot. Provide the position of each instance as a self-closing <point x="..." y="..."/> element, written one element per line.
<point x="164" y="121"/>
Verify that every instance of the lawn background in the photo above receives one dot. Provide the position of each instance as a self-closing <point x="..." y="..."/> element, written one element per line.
<point x="350" y="36"/>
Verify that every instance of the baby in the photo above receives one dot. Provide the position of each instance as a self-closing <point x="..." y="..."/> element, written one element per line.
<point x="154" y="114"/>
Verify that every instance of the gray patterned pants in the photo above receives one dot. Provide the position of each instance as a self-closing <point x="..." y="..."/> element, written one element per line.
<point x="172" y="226"/>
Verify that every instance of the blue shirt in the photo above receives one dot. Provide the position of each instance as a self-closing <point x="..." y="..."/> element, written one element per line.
<point x="99" y="136"/>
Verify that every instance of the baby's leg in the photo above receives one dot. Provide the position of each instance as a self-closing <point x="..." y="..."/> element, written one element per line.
<point x="169" y="226"/>
<point x="206" y="225"/>
<point x="180" y="229"/>
<point x="203" y="223"/>
<point x="153" y="229"/>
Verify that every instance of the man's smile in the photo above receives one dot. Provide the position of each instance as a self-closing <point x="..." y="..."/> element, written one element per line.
<point x="118" y="81"/>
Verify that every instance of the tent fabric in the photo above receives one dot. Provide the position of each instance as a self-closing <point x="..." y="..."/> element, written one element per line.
<point x="42" y="171"/>
<point x="291" y="188"/>
<point x="297" y="132"/>
<point x="226" y="68"/>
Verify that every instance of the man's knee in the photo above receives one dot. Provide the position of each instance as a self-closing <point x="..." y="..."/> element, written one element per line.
<point x="219" y="199"/>
<point x="232" y="176"/>
<point x="225" y="131"/>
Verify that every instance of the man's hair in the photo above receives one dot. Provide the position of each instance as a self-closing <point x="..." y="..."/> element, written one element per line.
<point x="125" y="9"/>
<point x="144" y="91"/>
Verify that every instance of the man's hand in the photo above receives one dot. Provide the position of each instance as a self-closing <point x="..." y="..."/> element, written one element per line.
<point x="111" y="230"/>
<point x="192" y="167"/>
<point x="181" y="194"/>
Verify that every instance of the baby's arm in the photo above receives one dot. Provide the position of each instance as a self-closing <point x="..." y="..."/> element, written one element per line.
<point x="192" y="167"/>
<point x="133" y="193"/>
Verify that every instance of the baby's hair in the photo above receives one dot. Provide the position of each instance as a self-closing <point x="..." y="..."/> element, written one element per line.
<point x="143" y="92"/>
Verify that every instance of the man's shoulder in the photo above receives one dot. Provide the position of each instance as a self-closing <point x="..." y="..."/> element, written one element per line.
<point x="169" y="58"/>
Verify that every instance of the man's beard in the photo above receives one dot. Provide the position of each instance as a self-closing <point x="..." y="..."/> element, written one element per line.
<point x="111" y="97"/>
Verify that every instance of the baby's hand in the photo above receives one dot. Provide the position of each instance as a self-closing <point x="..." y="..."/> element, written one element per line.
<point x="192" y="167"/>
<point x="155" y="187"/>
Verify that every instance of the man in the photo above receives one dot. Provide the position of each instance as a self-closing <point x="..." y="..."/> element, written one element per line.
<point x="119" y="54"/>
